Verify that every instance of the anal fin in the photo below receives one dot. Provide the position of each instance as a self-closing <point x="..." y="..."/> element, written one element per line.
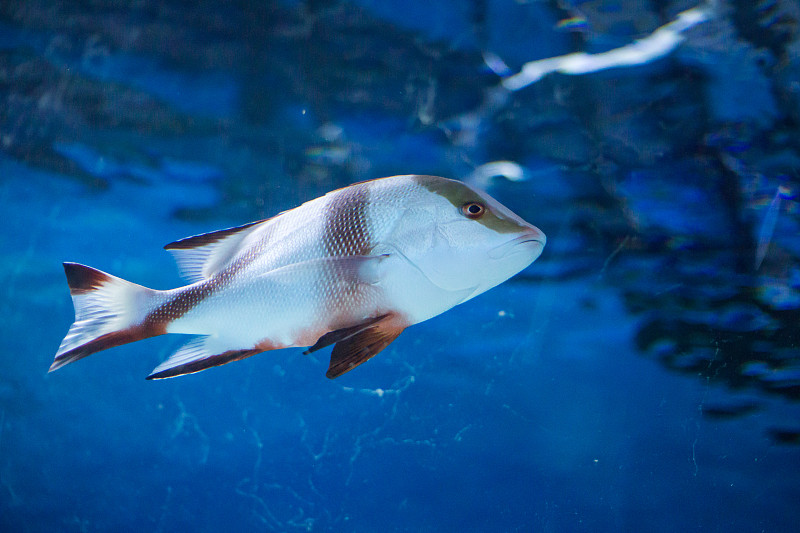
<point x="356" y="348"/>
<point x="203" y="353"/>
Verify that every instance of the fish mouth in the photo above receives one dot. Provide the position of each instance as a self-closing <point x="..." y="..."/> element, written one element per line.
<point x="534" y="239"/>
<point x="542" y="240"/>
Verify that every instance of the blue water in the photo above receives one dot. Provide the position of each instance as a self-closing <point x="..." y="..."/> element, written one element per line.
<point x="642" y="375"/>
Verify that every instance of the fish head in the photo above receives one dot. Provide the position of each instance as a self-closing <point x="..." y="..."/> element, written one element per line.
<point x="462" y="239"/>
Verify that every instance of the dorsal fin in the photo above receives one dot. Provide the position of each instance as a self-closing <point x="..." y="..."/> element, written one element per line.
<point x="201" y="256"/>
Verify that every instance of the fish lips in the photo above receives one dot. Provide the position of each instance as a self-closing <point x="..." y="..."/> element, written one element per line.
<point x="531" y="242"/>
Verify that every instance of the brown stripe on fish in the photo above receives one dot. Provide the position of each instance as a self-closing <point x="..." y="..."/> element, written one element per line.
<point x="460" y="195"/>
<point x="186" y="299"/>
<point x="346" y="234"/>
<point x="346" y="230"/>
<point x="192" y="295"/>
<point x="453" y="191"/>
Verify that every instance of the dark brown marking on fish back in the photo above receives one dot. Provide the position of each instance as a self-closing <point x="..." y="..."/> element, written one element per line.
<point x="364" y="345"/>
<point x="82" y="279"/>
<point x="208" y="238"/>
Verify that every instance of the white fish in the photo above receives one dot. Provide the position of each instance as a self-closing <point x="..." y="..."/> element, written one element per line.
<point x="353" y="268"/>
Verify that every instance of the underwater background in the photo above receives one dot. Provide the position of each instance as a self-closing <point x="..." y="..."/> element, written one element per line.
<point x="642" y="375"/>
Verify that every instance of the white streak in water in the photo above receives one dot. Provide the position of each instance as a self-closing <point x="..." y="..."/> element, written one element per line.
<point x="481" y="176"/>
<point x="768" y="225"/>
<point x="658" y="44"/>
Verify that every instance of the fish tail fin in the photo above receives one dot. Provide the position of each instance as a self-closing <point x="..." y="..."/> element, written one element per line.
<point x="109" y="312"/>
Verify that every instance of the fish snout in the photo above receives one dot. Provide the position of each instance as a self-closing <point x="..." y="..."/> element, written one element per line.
<point x="533" y="234"/>
<point x="532" y="238"/>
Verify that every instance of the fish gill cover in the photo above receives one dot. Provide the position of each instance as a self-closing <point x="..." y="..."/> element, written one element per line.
<point x="643" y="374"/>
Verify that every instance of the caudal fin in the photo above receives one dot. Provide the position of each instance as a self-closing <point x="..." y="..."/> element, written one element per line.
<point x="109" y="311"/>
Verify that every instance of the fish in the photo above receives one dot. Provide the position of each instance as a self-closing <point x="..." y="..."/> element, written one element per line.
<point x="353" y="269"/>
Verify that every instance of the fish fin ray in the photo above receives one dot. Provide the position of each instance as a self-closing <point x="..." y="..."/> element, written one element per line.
<point x="108" y="313"/>
<point x="200" y="354"/>
<point x="358" y="348"/>
<point x="201" y="256"/>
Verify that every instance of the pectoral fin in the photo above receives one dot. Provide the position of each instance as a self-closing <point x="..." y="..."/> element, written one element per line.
<point x="342" y="334"/>
<point x="354" y="348"/>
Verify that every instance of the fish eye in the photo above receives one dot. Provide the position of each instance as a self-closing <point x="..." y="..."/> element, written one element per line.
<point x="473" y="210"/>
